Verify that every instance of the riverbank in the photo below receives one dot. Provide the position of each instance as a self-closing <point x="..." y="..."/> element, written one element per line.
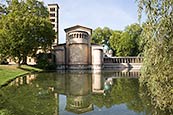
<point x="9" y="72"/>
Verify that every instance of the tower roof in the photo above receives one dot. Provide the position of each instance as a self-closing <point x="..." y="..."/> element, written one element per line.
<point x="53" y="5"/>
<point x="77" y="27"/>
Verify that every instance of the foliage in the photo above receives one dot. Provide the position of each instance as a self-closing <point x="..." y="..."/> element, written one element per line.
<point x="5" y="112"/>
<point x="124" y="90"/>
<point x="157" y="73"/>
<point x="127" y="43"/>
<point x="24" y="29"/>
<point x="122" y="43"/>
<point x="3" y="61"/>
<point x="2" y="9"/>
<point x="115" y="40"/>
<point x="147" y="101"/>
<point x="44" y="61"/>
<point x="102" y="36"/>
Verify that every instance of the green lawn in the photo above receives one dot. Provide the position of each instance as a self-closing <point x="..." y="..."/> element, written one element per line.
<point x="8" y="72"/>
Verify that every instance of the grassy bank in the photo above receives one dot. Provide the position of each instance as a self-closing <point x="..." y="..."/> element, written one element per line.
<point x="8" y="72"/>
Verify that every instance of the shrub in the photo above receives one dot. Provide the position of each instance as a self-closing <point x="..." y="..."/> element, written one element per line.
<point x="46" y="61"/>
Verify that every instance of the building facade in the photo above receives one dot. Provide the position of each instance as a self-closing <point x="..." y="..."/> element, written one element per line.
<point x="78" y="52"/>
<point x="54" y="18"/>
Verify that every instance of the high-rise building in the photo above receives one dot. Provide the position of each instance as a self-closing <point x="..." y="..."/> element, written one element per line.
<point x="54" y="18"/>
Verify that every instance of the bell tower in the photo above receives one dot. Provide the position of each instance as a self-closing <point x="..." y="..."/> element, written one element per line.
<point x="54" y="18"/>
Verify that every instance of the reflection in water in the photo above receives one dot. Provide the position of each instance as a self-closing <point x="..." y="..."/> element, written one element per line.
<point x="74" y="92"/>
<point x="78" y="93"/>
<point x="97" y="82"/>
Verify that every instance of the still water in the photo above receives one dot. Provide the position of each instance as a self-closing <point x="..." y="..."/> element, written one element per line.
<point x="74" y="92"/>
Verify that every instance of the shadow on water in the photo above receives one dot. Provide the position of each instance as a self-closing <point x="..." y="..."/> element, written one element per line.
<point x="75" y="92"/>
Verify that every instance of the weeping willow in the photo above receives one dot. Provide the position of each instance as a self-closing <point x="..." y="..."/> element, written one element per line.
<point x="157" y="71"/>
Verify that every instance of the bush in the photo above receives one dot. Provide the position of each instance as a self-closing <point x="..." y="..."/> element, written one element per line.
<point x="46" y="61"/>
<point x="3" y="61"/>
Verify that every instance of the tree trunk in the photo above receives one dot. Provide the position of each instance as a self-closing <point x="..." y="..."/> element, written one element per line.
<point x="24" y="60"/>
<point x="18" y="63"/>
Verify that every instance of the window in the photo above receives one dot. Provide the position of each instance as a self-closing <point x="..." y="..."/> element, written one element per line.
<point x="53" y="40"/>
<point x="52" y="9"/>
<point x="53" y="25"/>
<point x="52" y="14"/>
<point x="29" y="59"/>
<point x="52" y="20"/>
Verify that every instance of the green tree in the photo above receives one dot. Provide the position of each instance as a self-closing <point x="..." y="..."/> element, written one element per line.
<point x="102" y="36"/>
<point x="127" y="43"/>
<point x="97" y="36"/>
<point x="25" y="28"/>
<point x="132" y="39"/>
<point x="2" y="9"/>
<point x="157" y="72"/>
<point x="115" y="40"/>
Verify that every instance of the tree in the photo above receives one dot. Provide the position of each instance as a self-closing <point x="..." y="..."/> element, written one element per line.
<point x="97" y="36"/>
<point x="134" y="32"/>
<point x="25" y="28"/>
<point x="122" y="43"/>
<point x="102" y="36"/>
<point x="157" y="72"/>
<point x="126" y="43"/>
<point x="115" y="39"/>
<point x="2" y="9"/>
<point x="107" y="32"/>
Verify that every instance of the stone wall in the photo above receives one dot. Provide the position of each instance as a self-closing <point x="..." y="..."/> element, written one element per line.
<point x="59" y="52"/>
<point x="78" y="47"/>
<point x="78" y="54"/>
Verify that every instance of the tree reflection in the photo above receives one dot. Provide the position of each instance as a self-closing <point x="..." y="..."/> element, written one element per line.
<point x="27" y="100"/>
<point x="123" y="91"/>
<point x="39" y="94"/>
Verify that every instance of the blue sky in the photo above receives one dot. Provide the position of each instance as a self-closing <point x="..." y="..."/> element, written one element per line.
<point x="115" y="14"/>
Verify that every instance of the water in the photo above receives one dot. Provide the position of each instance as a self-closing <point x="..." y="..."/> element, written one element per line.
<point x="74" y="92"/>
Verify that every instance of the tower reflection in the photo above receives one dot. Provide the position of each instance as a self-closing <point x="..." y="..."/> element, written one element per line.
<point x="77" y="87"/>
<point x="78" y="93"/>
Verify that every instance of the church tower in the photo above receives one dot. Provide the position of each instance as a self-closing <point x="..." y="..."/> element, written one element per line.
<point x="54" y="18"/>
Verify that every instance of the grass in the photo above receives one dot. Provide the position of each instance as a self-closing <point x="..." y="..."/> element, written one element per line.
<point x="9" y="72"/>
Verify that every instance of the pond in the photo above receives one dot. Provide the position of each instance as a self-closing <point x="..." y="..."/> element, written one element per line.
<point x="75" y="92"/>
